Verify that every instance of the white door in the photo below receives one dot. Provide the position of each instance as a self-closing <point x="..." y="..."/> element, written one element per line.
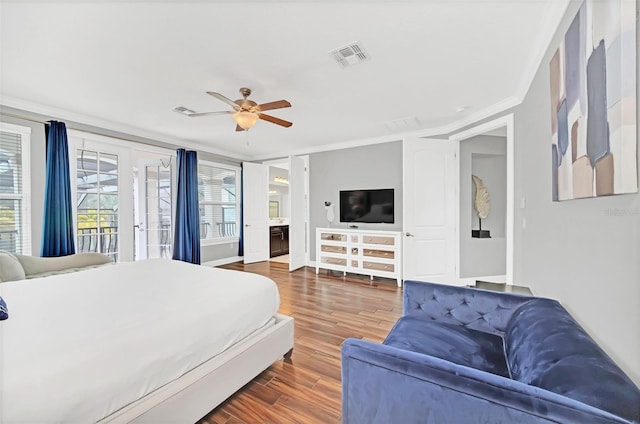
<point x="297" y="202"/>
<point x="255" y="211"/>
<point x="103" y="196"/>
<point x="429" y="215"/>
<point x="154" y="193"/>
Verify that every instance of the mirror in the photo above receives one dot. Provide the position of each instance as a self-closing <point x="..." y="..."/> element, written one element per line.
<point x="274" y="209"/>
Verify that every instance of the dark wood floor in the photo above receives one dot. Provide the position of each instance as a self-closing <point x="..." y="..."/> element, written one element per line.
<point x="328" y="308"/>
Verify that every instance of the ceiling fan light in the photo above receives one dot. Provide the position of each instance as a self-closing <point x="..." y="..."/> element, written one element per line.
<point x="245" y="120"/>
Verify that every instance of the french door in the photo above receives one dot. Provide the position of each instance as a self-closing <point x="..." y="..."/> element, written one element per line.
<point x="154" y="192"/>
<point x="124" y="197"/>
<point x="101" y="184"/>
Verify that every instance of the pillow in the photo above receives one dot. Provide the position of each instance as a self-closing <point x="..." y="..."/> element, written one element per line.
<point x="10" y="268"/>
<point x="4" y="312"/>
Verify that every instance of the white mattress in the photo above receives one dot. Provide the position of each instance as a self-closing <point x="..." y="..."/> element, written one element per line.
<point x="79" y="346"/>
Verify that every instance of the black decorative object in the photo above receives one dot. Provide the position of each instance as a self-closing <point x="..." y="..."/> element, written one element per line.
<point x="480" y="233"/>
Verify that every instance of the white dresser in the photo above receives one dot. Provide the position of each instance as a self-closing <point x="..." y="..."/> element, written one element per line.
<point x="368" y="252"/>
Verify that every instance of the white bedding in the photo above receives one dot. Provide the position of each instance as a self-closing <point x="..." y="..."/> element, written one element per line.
<point x="79" y="346"/>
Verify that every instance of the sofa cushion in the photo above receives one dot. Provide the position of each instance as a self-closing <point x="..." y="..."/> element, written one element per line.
<point x="10" y="268"/>
<point x="454" y="343"/>
<point x="545" y="347"/>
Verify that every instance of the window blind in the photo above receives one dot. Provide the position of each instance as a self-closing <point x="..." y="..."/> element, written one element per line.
<point x="14" y="199"/>
<point x="217" y="195"/>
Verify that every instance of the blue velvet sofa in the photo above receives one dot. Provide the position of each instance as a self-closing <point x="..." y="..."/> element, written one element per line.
<point x="463" y="355"/>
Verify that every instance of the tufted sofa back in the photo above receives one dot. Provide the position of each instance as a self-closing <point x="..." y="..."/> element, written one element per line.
<point x="545" y="347"/>
<point x="15" y="267"/>
<point x="476" y="309"/>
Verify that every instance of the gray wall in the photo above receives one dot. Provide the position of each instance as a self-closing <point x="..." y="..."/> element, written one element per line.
<point x="218" y="251"/>
<point x="584" y="252"/>
<point x="366" y="167"/>
<point x="38" y="158"/>
<point x="485" y="157"/>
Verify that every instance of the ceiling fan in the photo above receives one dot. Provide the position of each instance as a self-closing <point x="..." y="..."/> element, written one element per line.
<point x="245" y="112"/>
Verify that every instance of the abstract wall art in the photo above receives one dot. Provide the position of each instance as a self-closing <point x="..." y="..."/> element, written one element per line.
<point x="593" y="103"/>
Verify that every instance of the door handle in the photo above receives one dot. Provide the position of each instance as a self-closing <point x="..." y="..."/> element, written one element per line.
<point x="408" y="234"/>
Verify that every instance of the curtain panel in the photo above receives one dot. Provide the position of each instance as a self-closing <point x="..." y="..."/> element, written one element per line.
<point x="186" y="241"/>
<point x="57" y="227"/>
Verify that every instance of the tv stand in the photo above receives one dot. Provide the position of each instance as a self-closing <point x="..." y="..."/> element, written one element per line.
<point x="368" y="252"/>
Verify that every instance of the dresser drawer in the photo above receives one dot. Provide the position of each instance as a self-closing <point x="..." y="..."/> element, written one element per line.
<point x="376" y="253"/>
<point x="334" y="249"/>
<point x="378" y="266"/>
<point x="333" y="237"/>
<point x="333" y="261"/>
<point x="384" y="240"/>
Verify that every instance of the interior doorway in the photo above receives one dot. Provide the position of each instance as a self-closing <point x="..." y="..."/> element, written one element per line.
<point x="486" y="150"/>
<point x="279" y="212"/>
<point x="283" y="183"/>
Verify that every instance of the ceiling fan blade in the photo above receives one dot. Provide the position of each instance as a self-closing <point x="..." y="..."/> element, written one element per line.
<point x="227" y="100"/>
<point x="224" y="112"/>
<point x="278" y="104"/>
<point x="239" y="128"/>
<point x="275" y="120"/>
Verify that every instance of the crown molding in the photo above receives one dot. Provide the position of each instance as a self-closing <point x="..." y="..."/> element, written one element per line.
<point x="106" y="125"/>
<point x="442" y="131"/>
<point x="103" y="124"/>
<point x="556" y="10"/>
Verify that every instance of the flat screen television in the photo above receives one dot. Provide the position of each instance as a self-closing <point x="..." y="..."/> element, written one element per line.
<point x="370" y="206"/>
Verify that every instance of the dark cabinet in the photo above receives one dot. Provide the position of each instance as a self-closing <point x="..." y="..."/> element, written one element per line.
<point x="279" y="240"/>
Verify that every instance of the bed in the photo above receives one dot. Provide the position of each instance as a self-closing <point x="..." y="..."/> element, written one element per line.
<point x="150" y="341"/>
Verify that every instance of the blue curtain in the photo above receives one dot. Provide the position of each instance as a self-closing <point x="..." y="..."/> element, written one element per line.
<point x="241" y="230"/>
<point x="186" y="240"/>
<point x="57" y="226"/>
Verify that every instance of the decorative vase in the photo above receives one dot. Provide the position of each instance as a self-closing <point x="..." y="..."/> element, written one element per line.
<point x="330" y="215"/>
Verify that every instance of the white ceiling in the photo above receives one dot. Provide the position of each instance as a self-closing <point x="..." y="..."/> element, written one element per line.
<point x="124" y="65"/>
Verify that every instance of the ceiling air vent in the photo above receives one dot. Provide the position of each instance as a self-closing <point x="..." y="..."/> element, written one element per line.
<point x="351" y="54"/>
<point x="183" y="110"/>
<point x="404" y="124"/>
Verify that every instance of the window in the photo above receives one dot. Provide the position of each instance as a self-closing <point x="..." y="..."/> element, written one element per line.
<point x="15" y="186"/>
<point x="219" y="204"/>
